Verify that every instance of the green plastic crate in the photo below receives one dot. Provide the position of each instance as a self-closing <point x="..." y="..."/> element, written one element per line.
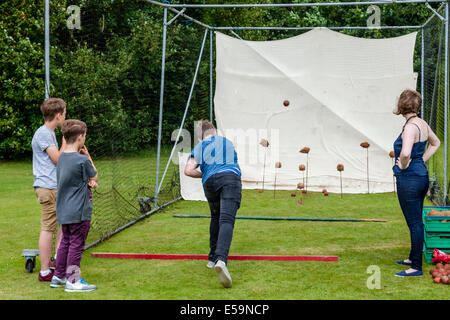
<point x="436" y="223"/>
<point x="428" y="253"/>
<point x="437" y="240"/>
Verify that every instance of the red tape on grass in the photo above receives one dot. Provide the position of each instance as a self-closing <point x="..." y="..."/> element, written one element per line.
<point x="154" y="256"/>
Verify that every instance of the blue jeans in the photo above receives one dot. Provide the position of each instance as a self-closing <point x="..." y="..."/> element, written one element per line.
<point x="411" y="194"/>
<point x="224" y="193"/>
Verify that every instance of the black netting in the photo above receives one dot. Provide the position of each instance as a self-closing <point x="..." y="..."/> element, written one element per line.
<point x="109" y="72"/>
<point x="434" y="100"/>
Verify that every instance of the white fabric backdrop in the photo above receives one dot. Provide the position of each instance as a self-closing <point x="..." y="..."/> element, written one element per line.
<point x="342" y="91"/>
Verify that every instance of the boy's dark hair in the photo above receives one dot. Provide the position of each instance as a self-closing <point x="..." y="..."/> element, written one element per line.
<point x="204" y="128"/>
<point x="51" y="107"/>
<point x="409" y="101"/>
<point x="72" y="128"/>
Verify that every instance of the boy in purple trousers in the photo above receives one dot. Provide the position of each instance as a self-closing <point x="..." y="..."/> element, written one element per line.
<point x="75" y="174"/>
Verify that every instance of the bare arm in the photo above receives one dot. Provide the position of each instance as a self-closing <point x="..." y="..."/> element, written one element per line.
<point x="433" y="145"/>
<point x="53" y="152"/>
<point x="191" y="169"/>
<point x="92" y="181"/>
<point x="408" y="137"/>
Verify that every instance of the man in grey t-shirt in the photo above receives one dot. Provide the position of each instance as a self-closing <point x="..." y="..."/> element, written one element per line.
<point x="45" y="158"/>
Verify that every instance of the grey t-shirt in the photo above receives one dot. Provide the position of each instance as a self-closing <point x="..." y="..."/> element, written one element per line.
<point x="73" y="202"/>
<point x="44" y="170"/>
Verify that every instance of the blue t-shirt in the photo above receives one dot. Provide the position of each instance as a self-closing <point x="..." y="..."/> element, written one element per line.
<point x="215" y="154"/>
<point x="44" y="170"/>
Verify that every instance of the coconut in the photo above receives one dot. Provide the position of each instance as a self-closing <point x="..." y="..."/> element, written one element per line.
<point x="286" y="103"/>
<point x="433" y="212"/>
<point x="365" y="144"/>
<point x="278" y="164"/>
<point x="305" y="150"/>
<point x="301" y="167"/>
<point x="340" y="167"/>
<point x="264" y="143"/>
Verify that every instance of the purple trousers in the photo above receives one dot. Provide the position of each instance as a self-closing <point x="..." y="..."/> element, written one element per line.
<point x="71" y="249"/>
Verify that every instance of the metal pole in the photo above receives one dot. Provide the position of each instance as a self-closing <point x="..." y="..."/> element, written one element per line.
<point x="178" y="14"/>
<point x="446" y="102"/>
<point x="310" y="28"/>
<point x="422" y="73"/>
<point x="316" y="4"/>
<point x="47" y="49"/>
<point x="161" y="102"/>
<point x="434" y="11"/>
<point x="431" y="18"/>
<point x="211" y="76"/>
<point x="186" y="109"/>
<point x="237" y="36"/>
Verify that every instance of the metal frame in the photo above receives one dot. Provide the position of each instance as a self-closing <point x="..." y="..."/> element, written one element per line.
<point x="182" y="13"/>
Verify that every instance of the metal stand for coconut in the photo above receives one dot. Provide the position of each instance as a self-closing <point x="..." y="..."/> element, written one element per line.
<point x="300" y="186"/>
<point x="265" y="144"/>
<point x="340" y="168"/>
<point x="277" y="166"/>
<point x="366" y="146"/>
<point x="302" y="168"/>
<point x="306" y="150"/>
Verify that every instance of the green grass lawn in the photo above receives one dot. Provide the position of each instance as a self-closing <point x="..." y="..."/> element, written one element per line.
<point x="357" y="244"/>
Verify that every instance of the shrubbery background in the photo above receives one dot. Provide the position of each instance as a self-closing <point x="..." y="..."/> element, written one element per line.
<point x="109" y="71"/>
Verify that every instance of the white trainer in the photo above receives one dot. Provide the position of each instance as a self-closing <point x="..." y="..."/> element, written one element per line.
<point x="57" y="282"/>
<point x="79" y="286"/>
<point x="210" y="264"/>
<point x="222" y="272"/>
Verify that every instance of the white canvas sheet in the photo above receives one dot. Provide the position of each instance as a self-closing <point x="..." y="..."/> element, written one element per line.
<point x="191" y="188"/>
<point x="342" y="91"/>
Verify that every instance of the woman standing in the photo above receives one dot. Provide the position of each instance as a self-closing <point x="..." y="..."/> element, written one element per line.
<point x="412" y="174"/>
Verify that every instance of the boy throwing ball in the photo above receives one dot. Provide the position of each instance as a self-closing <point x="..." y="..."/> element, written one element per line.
<point x="221" y="178"/>
<point x="76" y="173"/>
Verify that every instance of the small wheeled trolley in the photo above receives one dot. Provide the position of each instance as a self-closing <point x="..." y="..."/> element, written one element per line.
<point x="30" y="256"/>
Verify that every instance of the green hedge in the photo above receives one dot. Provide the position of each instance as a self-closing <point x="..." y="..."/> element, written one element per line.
<point x="109" y="71"/>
